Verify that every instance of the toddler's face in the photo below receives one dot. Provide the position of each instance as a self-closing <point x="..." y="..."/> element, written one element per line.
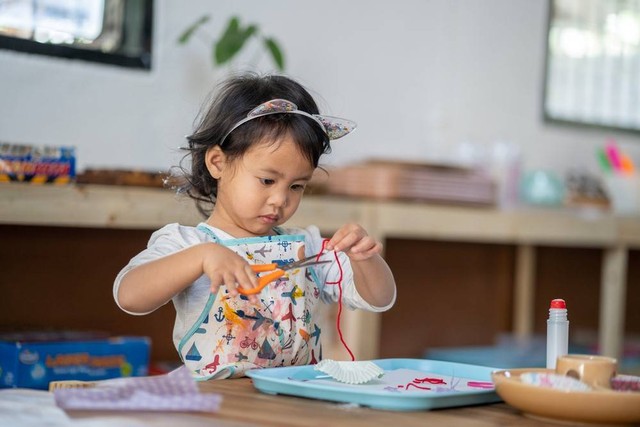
<point x="262" y="189"/>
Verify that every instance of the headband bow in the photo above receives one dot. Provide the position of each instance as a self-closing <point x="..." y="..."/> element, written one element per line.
<point x="333" y="127"/>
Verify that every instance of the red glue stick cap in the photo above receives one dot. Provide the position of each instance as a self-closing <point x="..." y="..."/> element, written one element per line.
<point x="558" y="303"/>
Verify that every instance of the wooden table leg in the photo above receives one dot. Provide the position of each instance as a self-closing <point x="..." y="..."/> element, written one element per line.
<point x="362" y="333"/>
<point x="523" y="301"/>
<point x="612" y="301"/>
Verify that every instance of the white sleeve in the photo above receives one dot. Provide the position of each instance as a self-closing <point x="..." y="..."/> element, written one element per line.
<point x="329" y="274"/>
<point x="169" y="239"/>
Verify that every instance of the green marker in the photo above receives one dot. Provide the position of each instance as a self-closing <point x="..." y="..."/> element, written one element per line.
<point x="603" y="160"/>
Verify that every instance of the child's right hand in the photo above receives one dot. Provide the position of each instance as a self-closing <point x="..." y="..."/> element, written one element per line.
<point x="225" y="267"/>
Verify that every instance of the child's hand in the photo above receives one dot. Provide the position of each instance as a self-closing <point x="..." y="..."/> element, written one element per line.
<point x="353" y="240"/>
<point x="223" y="266"/>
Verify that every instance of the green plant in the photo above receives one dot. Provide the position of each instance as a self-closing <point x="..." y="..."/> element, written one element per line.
<point x="233" y="39"/>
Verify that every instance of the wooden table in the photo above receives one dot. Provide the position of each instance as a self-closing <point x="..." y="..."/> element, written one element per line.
<point x="243" y="403"/>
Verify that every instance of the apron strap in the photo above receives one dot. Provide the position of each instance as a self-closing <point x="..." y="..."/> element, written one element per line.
<point x="206" y="230"/>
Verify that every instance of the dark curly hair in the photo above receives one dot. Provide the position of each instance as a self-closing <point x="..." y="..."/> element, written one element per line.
<point x="236" y="97"/>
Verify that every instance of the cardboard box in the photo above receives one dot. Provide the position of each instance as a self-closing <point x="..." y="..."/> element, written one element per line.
<point x="32" y="360"/>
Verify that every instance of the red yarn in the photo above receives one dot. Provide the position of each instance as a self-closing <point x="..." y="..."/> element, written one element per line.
<point x="339" y="283"/>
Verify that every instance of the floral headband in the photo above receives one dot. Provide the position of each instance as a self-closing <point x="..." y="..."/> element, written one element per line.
<point x="334" y="127"/>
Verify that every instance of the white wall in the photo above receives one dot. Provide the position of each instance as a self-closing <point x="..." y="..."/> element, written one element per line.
<point x="419" y="76"/>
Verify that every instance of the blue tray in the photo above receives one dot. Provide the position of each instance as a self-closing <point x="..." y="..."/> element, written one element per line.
<point x="304" y="381"/>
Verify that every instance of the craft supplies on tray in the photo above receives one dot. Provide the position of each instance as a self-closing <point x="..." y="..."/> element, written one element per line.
<point x="413" y="181"/>
<point x="350" y="372"/>
<point x="405" y="385"/>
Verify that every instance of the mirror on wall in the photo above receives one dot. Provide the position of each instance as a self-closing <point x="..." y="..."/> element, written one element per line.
<point x="117" y="32"/>
<point x="593" y="63"/>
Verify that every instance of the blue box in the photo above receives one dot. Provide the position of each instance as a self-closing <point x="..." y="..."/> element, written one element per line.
<point x="33" y="360"/>
<point x="37" y="164"/>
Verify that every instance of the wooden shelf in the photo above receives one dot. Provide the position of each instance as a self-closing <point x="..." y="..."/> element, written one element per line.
<point x="149" y="208"/>
<point x="95" y="206"/>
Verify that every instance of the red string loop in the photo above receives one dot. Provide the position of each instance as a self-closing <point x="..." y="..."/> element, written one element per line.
<point x="339" y="283"/>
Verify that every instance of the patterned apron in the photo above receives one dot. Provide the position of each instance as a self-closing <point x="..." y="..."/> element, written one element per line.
<point x="233" y="335"/>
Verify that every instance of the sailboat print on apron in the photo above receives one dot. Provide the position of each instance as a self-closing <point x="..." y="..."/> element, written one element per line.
<point x="232" y="335"/>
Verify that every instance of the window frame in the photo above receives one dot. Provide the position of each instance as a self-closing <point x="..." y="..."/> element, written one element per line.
<point x="575" y="123"/>
<point x="141" y="61"/>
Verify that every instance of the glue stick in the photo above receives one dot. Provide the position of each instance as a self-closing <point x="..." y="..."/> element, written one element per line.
<point x="557" y="332"/>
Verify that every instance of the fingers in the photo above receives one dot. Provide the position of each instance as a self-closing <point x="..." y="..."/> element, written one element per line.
<point x="355" y="242"/>
<point x="240" y="277"/>
<point x="367" y="246"/>
<point x="229" y="279"/>
<point x="224" y="267"/>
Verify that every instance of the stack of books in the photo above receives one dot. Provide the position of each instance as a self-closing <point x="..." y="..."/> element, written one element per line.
<point x="413" y="181"/>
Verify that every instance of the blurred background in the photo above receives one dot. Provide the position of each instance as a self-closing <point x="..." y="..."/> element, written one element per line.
<point x="424" y="80"/>
<point x="507" y="131"/>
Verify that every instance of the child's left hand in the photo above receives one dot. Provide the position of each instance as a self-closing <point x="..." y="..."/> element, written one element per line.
<point x="353" y="240"/>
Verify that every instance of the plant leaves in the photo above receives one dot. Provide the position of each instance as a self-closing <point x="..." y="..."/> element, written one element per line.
<point x="249" y="31"/>
<point x="186" y="34"/>
<point x="276" y="52"/>
<point x="232" y="41"/>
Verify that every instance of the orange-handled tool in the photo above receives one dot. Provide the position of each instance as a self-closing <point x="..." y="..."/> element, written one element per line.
<point x="276" y="271"/>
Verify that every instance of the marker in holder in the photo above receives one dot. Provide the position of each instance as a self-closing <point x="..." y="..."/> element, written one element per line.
<point x="557" y="332"/>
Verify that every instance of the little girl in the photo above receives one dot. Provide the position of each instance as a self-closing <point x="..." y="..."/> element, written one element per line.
<point x="252" y="154"/>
